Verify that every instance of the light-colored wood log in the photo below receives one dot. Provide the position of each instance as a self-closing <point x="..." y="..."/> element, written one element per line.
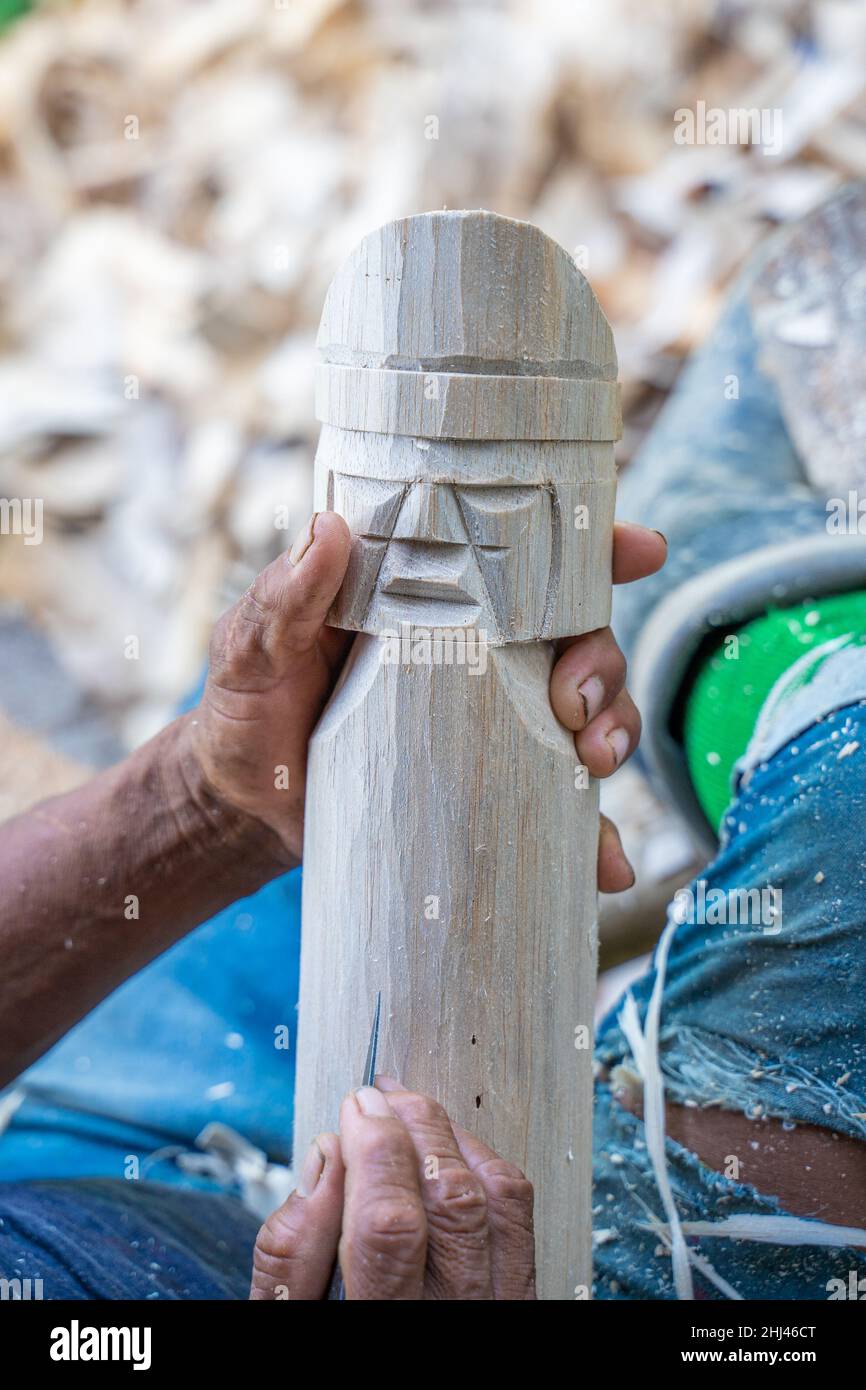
<point x="458" y="405"/>
<point x="451" y="835"/>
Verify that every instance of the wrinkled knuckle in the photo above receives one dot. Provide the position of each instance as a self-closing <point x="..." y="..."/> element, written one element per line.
<point x="508" y="1187"/>
<point x="392" y="1230"/>
<point x="459" y="1205"/>
<point x="257" y="601"/>
<point x="239" y="636"/>
<point x="495" y="1169"/>
<point x="422" y="1112"/>
<point x="280" y="1236"/>
<point x="219" y="640"/>
<point x="512" y="1192"/>
<point x="276" y="1252"/>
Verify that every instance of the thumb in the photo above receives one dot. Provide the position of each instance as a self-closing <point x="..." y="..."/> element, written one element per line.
<point x="297" y="1246"/>
<point x="291" y="597"/>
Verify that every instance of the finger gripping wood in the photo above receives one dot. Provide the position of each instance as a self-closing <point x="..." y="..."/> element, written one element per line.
<point x="468" y="399"/>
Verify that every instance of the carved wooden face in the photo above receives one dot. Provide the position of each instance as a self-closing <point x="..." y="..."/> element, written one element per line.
<point x="448" y="554"/>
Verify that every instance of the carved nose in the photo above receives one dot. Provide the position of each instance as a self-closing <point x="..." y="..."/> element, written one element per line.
<point x="415" y="570"/>
<point x="430" y="513"/>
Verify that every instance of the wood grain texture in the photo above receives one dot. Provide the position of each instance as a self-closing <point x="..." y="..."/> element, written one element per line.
<point x="458" y="405"/>
<point x="465" y="292"/>
<point x="450" y="851"/>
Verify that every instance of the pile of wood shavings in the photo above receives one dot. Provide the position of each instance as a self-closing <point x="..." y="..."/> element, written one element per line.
<point x="179" y="181"/>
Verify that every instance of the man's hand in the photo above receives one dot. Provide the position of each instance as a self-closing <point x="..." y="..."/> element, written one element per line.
<point x="588" y="694"/>
<point x="417" y="1208"/>
<point x="273" y="664"/>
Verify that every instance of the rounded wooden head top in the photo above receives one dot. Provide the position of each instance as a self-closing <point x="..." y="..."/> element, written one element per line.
<point x="466" y="325"/>
<point x="468" y="388"/>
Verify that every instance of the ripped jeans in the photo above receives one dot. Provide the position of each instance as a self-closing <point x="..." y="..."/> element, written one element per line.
<point x="765" y="1015"/>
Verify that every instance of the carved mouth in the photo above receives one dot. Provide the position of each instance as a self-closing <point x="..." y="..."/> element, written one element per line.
<point x="423" y="587"/>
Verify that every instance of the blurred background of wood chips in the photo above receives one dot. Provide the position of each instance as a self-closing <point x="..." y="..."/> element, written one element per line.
<point x="179" y="180"/>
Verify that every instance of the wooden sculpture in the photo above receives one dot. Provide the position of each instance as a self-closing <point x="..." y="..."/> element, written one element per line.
<point x="469" y="403"/>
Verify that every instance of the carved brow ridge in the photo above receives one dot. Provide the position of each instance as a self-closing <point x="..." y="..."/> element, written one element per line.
<point x="467" y="365"/>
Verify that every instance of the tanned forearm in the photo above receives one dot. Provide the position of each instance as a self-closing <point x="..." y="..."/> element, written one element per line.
<point x="96" y="883"/>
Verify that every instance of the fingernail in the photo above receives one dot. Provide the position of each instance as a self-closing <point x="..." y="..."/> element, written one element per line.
<point x="387" y="1083"/>
<point x="592" y="697"/>
<point x="619" y="741"/>
<point x="311" y="1171"/>
<point x="371" y="1101"/>
<point x="662" y="534"/>
<point x="304" y="541"/>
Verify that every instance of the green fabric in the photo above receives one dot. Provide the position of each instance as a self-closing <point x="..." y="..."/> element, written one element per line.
<point x="731" y="687"/>
<point x="12" y="9"/>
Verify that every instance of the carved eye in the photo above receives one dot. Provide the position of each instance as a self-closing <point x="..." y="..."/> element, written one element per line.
<point x="497" y="516"/>
<point x="368" y="505"/>
<point x="511" y="529"/>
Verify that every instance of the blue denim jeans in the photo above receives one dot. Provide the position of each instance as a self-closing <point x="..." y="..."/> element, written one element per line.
<point x="762" y="1012"/>
<point x="204" y="1033"/>
<point x="95" y="1156"/>
<point x="104" y="1239"/>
